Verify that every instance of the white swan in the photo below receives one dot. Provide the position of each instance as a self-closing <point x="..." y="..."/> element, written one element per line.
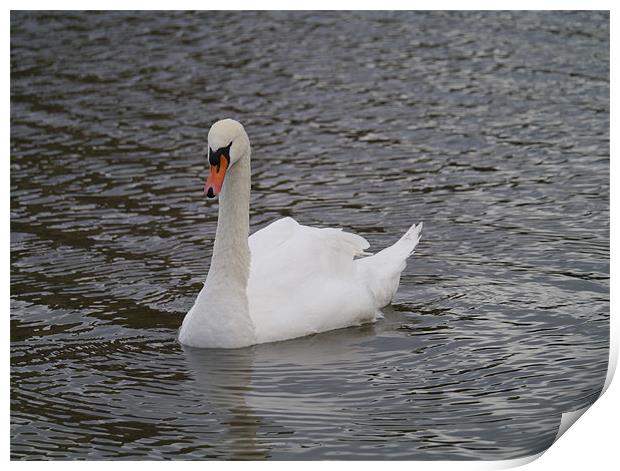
<point x="287" y="280"/>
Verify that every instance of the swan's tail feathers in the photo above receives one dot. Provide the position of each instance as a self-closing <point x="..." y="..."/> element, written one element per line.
<point x="403" y="248"/>
<point x="383" y="269"/>
<point x="411" y="238"/>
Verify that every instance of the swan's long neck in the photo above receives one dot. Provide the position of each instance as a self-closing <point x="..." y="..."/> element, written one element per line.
<point x="220" y="316"/>
<point x="231" y="252"/>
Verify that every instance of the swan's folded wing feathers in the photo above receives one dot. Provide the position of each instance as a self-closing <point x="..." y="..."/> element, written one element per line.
<point x="286" y="254"/>
<point x="272" y="236"/>
<point x="345" y="242"/>
<point x="287" y="230"/>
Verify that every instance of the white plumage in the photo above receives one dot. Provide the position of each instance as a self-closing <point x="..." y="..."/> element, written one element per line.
<point x="305" y="280"/>
<point x="287" y="280"/>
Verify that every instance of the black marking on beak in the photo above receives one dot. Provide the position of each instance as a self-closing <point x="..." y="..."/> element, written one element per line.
<point x="210" y="193"/>
<point x="214" y="157"/>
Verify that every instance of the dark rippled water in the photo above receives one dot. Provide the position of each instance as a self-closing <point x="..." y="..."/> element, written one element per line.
<point x="492" y="128"/>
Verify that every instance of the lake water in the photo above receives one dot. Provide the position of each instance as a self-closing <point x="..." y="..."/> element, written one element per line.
<point x="492" y="128"/>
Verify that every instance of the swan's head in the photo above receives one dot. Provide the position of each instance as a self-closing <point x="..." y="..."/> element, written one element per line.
<point x="228" y="143"/>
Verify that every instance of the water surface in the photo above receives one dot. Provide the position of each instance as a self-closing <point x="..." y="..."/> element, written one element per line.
<point x="492" y="128"/>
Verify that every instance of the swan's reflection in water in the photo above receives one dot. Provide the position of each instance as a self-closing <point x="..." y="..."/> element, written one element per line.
<point x="252" y="388"/>
<point x="223" y="378"/>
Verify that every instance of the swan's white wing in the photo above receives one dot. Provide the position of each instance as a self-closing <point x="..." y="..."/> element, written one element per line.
<point x="270" y="237"/>
<point x="287" y="246"/>
<point x="304" y="280"/>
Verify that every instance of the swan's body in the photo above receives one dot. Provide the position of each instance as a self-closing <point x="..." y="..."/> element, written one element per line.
<point x="286" y="280"/>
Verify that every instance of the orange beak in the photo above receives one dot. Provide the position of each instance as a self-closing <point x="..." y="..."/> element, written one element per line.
<point x="216" y="178"/>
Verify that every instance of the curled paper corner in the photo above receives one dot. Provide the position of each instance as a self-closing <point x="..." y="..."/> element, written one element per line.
<point x="613" y="358"/>
<point x="568" y="419"/>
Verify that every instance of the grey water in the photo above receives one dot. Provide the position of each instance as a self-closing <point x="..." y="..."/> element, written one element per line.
<point x="491" y="127"/>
